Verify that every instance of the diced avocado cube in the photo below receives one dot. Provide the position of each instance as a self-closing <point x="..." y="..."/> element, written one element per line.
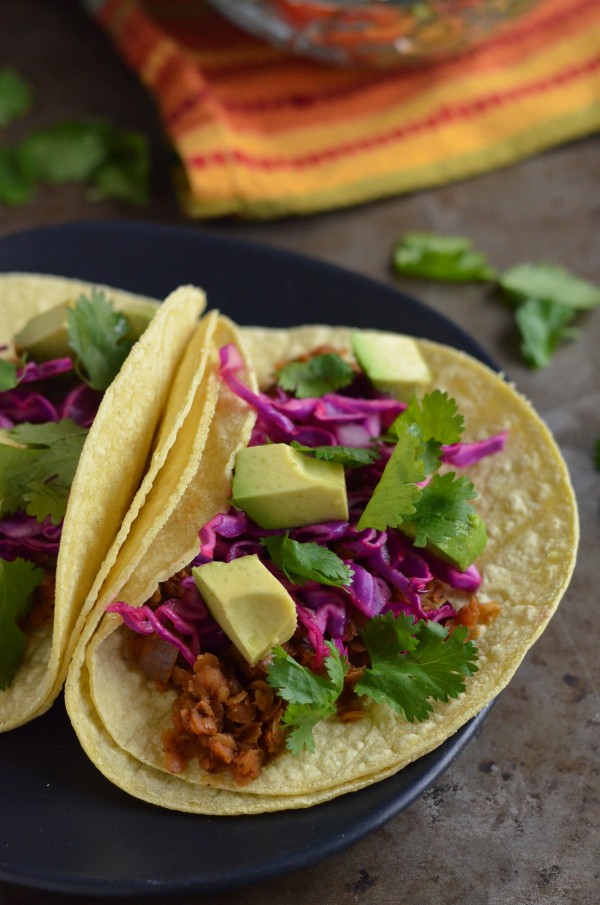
<point x="462" y="550"/>
<point x="393" y="363"/>
<point x="45" y="336"/>
<point x="252" y="607"/>
<point x="279" y="487"/>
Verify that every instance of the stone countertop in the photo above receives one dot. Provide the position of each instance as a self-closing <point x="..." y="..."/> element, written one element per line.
<point x="516" y="818"/>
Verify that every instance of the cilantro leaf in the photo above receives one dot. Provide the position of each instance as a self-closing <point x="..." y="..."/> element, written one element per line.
<point x="396" y="494"/>
<point x="443" y="511"/>
<point x="437" y="416"/>
<point x="542" y="326"/>
<point x="52" y="456"/>
<point x="302" y="562"/>
<point x="349" y="456"/>
<point x="413" y="662"/>
<point x="310" y="697"/>
<point x="47" y="500"/>
<point x="18" y="580"/>
<point x="435" y="257"/>
<point x="8" y="375"/>
<point x="315" y="377"/>
<point x="15" y="96"/>
<point x="97" y="334"/>
<point x="41" y="435"/>
<point x="548" y="283"/>
<point x="15" y="186"/>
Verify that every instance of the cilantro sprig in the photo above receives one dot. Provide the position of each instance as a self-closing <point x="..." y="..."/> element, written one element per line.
<point x="348" y="456"/>
<point x="439" y="509"/>
<point x="425" y="254"/>
<point x="545" y="298"/>
<point x="411" y="665"/>
<point x="18" y="580"/>
<point x="302" y="562"/>
<point x="313" y="378"/>
<point x="114" y="163"/>
<point x="8" y="375"/>
<point x="311" y="697"/>
<point x="36" y="475"/>
<point x="98" y="336"/>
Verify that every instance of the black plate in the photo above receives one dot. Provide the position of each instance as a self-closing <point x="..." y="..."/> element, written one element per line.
<point x="64" y="827"/>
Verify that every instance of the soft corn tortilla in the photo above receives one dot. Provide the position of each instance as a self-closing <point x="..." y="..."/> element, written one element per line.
<point x="113" y="475"/>
<point x="528" y="504"/>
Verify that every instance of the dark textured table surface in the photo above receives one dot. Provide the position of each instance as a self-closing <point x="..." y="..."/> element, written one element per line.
<point x="516" y="818"/>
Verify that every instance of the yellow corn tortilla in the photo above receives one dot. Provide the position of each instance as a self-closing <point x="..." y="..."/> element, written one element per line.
<point x="528" y="504"/>
<point x="113" y="475"/>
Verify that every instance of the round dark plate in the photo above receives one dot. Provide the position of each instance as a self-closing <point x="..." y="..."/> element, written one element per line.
<point x="64" y="827"/>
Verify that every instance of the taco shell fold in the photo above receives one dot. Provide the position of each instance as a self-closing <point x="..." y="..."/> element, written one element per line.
<point x="118" y="464"/>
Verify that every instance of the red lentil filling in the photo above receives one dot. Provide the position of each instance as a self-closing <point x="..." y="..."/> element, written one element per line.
<point x="226" y="715"/>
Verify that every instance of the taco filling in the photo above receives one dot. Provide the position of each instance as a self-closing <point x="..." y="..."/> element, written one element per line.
<point x="344" y="571"/>
<point x="52" y="383"/>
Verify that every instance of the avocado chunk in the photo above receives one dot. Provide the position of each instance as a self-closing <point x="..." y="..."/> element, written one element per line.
<point x="394" y="364"/>
<point x="254" y="609"/>
<point x="462" y="550"/>
<point x="45" y="336"/>
<point x="279" y="487"/>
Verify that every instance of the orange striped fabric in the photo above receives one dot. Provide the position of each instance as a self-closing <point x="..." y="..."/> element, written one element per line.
<point x="262" y="133"/>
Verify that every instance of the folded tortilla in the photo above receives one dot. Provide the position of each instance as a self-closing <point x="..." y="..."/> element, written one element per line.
<point x="527" y="502"/>
<point x="136" y="424"/>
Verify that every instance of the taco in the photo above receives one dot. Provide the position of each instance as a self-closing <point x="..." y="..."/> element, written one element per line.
<point x="78" y="426"/>
<point x="414" y="605"/>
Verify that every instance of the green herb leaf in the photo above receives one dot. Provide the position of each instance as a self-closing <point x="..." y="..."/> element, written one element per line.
<point x="302" y="562"/>
<point x="435" y="257"/>
<point x="53" y="456"/>
<point x="18" y="580"/>
<point x="542" y="326"/>
<point x="47" y="500"/>
<point x="8" y="375"/>
<point x="413" y="663"/>
<point x="395" y="496"/>
<point x="443" y="510"/>
<point x="548" y="283"/>
<point x="15" y="96"/>
<point x="597" y="455"/>
<point x="348" y="456"/>
<point x="437" y="415"/>
<point x="97" y="335"/>
<point x="315" y="377"/>
<point x="115" y="163"/>
<point x="15" y="186"/>
<point x="311" y="697"/>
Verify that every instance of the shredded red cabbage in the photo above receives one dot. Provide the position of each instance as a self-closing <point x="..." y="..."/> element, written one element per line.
<point x="389" y="573"/>
<point x="22" y="535"/>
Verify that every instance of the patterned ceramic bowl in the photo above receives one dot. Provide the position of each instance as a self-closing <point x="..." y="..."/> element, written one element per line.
<point x="373" y="32"/>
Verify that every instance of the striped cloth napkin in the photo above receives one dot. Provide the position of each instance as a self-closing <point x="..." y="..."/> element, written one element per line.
<point x="261" y="133"/>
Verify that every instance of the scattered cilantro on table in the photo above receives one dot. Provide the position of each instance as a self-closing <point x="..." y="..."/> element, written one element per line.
<point x="316" y="376"/>
<point x="422" y="254"/>
<point x="597" y="455"/>
<point x="302" y="562"/>
<point x="15" y="96"/>
<point x="546" y="298"/>
<point x="114" y="163"/>
<point x="18" y="580"/>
